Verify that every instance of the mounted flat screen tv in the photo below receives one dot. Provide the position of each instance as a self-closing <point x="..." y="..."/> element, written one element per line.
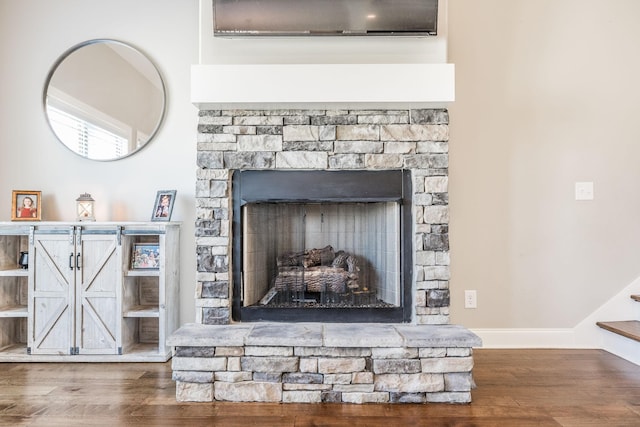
<point x="236" y="18"/>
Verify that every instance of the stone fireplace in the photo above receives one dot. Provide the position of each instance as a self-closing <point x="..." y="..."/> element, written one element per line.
<point x="340" y="217"/>
<point x="409" y="142"/>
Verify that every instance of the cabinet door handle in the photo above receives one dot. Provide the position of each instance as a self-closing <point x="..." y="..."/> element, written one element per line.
<point x="71" y="261"/>
<point x="78" y="261"/>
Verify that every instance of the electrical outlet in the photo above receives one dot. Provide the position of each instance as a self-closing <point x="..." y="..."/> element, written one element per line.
<point x="470" y="299"/>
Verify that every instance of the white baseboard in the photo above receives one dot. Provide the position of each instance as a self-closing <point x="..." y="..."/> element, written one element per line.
<point x="526" y="338"/>
<point x="585" y="335"/>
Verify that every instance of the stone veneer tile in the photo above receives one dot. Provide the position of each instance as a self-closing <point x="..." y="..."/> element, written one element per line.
<point x="361" y="335"/>
<point x="449" y="397"/>
<point x="294" y="334"/>
<point x="447" y="364"/>
<point x="301" y="396"/>
<point x="375" y="397"/>
<point x="194" y="392"/>
<point x="248" y="392"/>
<point x="193" y="335"/>
<point x="341" y="365"/>
<point x="410" y="383"/>
<point x="438" y="336"/>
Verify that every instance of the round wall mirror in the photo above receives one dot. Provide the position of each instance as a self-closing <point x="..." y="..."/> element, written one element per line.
<point x="104" y="99"/>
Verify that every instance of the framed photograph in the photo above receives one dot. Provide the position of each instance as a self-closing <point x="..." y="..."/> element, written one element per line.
<point x="26" y="205"/>
<point x="145" y="256"/>
<point x="163" y="206"/>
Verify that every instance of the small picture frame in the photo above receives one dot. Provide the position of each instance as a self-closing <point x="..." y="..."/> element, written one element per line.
<point x="26" y="205"/>
<point x="145" y="257"/>
<point x="163" y="207"/>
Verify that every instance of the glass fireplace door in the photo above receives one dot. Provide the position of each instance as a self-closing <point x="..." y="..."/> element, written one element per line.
<point x="321" y="255"/>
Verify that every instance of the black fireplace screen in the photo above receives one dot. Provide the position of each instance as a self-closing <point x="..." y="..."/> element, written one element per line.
<point x="320" y="255"/>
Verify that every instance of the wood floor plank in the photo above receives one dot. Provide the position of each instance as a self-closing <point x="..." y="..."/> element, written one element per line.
<point x="514" y="388"/>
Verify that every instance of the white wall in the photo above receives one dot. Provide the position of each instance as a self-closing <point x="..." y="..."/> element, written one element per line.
<point x="547" y="95"/>
<point x="33" y="33"/>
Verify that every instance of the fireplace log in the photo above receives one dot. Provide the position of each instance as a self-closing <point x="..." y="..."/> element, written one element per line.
<point x="308" y="258"/>
<point x="314" y="279"/>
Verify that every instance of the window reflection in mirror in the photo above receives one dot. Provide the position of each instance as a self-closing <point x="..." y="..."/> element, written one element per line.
<point x="104" y="100"/>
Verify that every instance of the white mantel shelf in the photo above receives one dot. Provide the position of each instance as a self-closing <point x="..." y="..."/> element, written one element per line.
<point x="275" y="86"/>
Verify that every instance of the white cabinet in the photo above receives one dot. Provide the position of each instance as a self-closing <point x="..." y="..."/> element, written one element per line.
<point x="83" y="297"/>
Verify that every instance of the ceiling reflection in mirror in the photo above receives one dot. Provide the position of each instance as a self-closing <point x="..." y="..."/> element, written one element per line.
<point x="104" y="100"/>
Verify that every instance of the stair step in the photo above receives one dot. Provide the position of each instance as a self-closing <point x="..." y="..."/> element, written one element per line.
<point x="635" y="297"/>
<point x="626" y="328"/>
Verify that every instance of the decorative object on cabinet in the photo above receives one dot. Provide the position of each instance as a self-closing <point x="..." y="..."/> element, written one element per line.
<point x="109" y="94"/>
<point x="23" y="261"/>
<point x="163" y="207"/>
<point x="26" y="205"/>
<point x="80" y="299"/>
<point x="145" y="256"/>
<point x="84" y="207"/>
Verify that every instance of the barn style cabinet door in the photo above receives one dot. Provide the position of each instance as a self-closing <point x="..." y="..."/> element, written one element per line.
<point x="75" y="291"/>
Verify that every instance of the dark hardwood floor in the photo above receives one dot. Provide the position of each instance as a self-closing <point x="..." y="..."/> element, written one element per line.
<point x="514" y="388"/>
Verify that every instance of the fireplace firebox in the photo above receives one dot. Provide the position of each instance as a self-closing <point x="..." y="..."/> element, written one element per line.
<point x="329" y="246"/>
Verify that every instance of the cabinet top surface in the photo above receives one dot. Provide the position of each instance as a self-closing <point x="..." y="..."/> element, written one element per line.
<point x="24" y="226"/>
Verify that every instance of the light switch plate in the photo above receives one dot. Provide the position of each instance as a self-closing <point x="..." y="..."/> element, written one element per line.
<point x="584" y="190"/>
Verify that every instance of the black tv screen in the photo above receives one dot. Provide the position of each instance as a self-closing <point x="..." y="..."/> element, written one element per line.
<point x="325" y="17"/>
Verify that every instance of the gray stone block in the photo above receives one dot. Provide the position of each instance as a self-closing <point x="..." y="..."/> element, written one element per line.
<point x="396" y="366"/>
<point x="361" y="335"/>
<point x="269" y="130"/>
<point x="346" y="161"/>
<point x="302" y="378"/>
<point x="334" y="120"/>
<point x="296" y="334"/>
<point x="215" y="316"/>
<point x="267" y="377"/>
<point x="194" y="352"/>
<point x="207" y="228"/>
<point x="436" y="242"/>
<point x="331" y="397"/>
<point x="395" y="397"/>
<point x="458" y="381"/>
<point x="209" y="159"/>
<point x="249" y="160"/>
<point x="192" y="334"/>
<point x="269" y="364"/>
<point x="430" y="116"/>
<point x="438" y="298"/>
<point x="192" y="376"/>
<point x="438" y="336"/>
<point x="215" y="289"/>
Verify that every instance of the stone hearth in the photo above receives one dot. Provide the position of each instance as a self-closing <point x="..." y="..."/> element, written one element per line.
<point x="313" y="363"/>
